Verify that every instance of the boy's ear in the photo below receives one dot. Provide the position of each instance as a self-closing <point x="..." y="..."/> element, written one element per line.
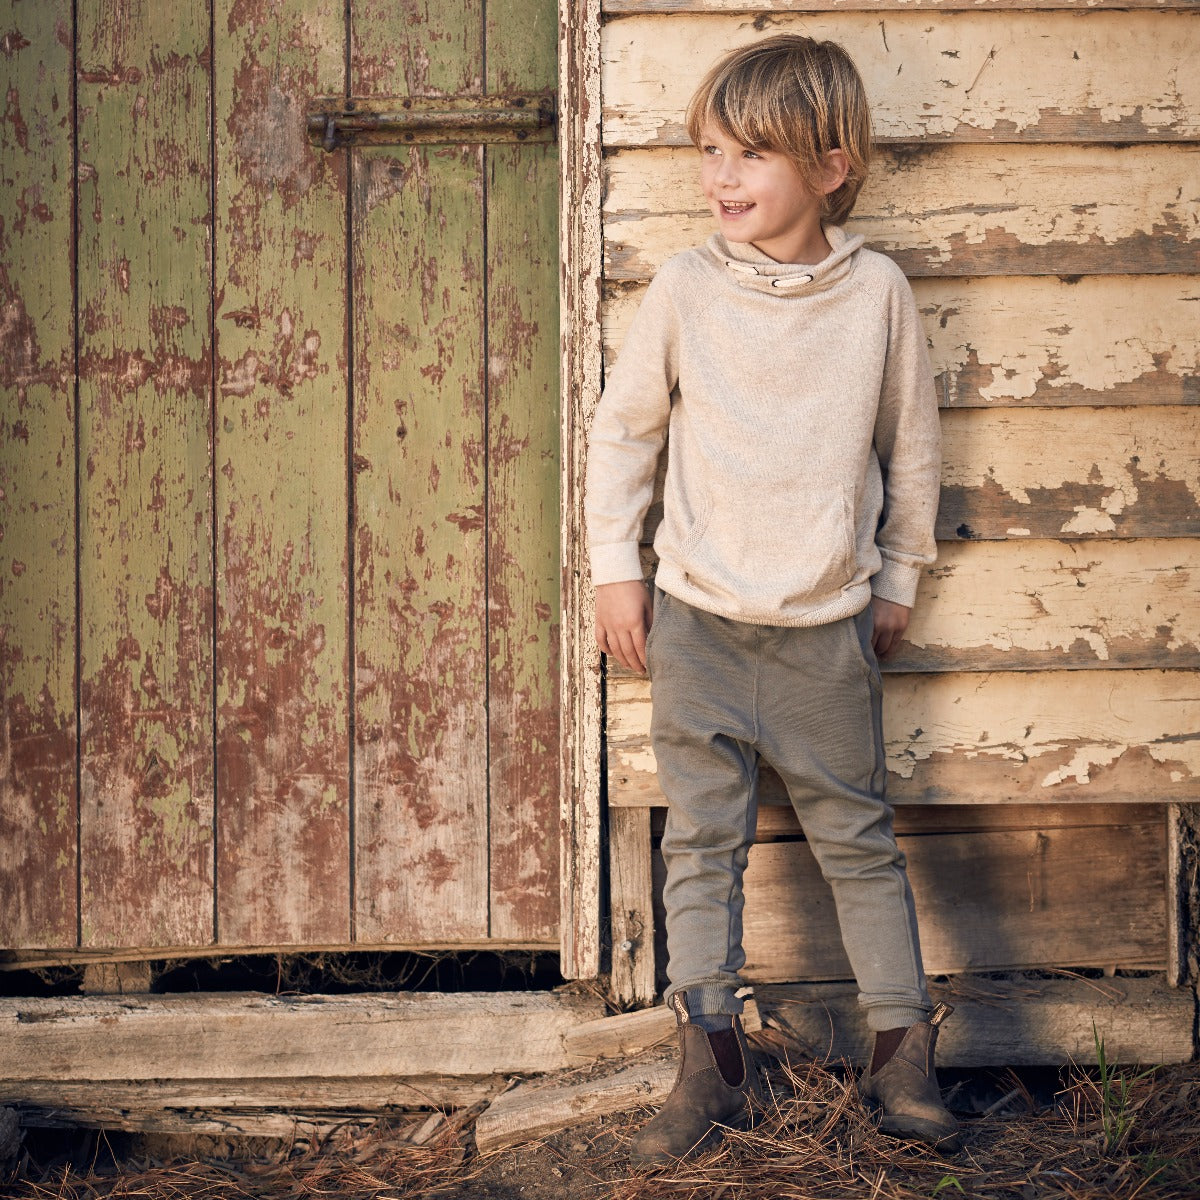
<point x="834" y="170"/>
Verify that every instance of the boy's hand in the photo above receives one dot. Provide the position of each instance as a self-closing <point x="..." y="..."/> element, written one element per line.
<point x="891" y="620"/>
<point x="624" y="614"/>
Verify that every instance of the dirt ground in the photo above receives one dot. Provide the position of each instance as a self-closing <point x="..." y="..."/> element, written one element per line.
<point x="1029" y="1136"/>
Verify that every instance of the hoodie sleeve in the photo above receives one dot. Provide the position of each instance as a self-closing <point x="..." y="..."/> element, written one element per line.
<point x="627" y="436"/>
<point x="908" y="442"/>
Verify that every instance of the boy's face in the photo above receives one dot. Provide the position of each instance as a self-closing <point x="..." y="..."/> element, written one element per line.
<point x="758" y="196"/>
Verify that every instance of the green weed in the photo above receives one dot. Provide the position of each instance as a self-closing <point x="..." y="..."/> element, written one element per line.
<point x="1117" y="1111"/>
<point x="947" y="1181"/>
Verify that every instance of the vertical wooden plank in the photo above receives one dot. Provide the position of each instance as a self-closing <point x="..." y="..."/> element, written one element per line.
<point x="283" y="828"/>
<point x="631" y="890"/>
<point x="416" y="47"/>
<point x="523" y="470"/>
<point x="580" y="266"/>
<point x="420" y="503"/>
<point x="38" y="802"/>
<point x="145" y="484"/>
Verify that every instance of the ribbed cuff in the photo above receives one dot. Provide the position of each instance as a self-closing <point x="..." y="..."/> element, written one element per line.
<point x="615" y="563"/>
<point x="897" y="582"/>
<point x="894" y="1016"/>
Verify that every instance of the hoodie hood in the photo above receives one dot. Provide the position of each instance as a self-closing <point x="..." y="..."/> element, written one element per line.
<point x="753" y="269"/>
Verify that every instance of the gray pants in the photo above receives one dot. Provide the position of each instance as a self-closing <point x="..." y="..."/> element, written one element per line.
<point x="809" y="701"/>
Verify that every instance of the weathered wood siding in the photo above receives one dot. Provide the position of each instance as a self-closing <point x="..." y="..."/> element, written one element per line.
<point x="279" y="535"/>
<point x="1037" y="180"/>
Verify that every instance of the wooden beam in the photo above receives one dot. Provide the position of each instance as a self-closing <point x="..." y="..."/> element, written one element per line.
<point x="776" y="821"/>
<point x="311" y="1095"/>
<point x="1018" y="1022"/>
<point x="32" y="960"/>
<point x="631" y="906"/>
<point x="972" y="76"/>
<point x="579" y="322"/>
<point x="530" y="1111"/>
<point x="241" y="1037"/>
<point x="631" y="1033"/>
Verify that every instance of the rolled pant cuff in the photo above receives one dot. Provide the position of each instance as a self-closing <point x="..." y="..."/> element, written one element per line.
<point x="894" y="1016"/>
<point x="708" y="998"/>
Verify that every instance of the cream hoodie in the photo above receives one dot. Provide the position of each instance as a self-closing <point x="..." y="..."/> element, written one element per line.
<point x="804" y="454"/>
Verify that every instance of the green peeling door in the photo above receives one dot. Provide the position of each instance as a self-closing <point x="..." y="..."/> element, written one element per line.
<point x="279" y="527"/>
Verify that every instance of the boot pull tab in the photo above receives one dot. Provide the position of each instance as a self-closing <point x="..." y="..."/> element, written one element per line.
<point x="940" y="1013"/>
<point x="679" y="1004"/>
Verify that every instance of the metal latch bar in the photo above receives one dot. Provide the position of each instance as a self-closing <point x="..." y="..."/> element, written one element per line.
<point x="400" y="121"/>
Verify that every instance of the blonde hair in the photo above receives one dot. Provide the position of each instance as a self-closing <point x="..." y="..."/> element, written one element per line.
<point x="799" y="97"/>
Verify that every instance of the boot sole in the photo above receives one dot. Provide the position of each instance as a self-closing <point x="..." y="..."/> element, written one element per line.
<point x="710" y="1139"/>
<point x="919" y="1130"/>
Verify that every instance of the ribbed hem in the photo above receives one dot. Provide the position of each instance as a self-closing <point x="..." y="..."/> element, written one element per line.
<point x="894" y="1016"/>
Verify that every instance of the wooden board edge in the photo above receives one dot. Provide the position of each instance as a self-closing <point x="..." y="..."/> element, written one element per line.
<point x="579" y="307"/>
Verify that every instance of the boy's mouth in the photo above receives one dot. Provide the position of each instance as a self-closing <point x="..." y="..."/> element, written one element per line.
<point x="735" y="209"/>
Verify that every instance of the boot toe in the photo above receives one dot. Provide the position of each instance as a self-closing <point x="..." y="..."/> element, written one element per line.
<point x="946" y="1138"/>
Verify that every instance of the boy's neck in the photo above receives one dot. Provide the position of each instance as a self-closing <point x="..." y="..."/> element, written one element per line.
<point x="805" y="248"/>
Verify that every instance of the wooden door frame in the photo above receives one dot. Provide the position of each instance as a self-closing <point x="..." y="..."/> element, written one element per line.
<point x="580" y="274"/>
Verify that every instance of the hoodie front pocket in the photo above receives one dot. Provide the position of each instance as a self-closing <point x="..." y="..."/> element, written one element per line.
<point x="791" y="549"/>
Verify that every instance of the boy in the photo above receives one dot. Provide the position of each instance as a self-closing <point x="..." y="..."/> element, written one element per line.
<point x="803" y="465"/>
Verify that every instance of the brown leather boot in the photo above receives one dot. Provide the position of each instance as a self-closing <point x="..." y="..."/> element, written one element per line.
<point x="906" y="1088"/>
<point x="702" y="1100"/>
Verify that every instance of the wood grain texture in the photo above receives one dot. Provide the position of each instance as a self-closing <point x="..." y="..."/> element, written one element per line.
<point x="1043" y="605"/>
<point x="421" y="524"/>
<point x="621" y="7"/>
<point x="629" y="1033"/>
<point x="778" y="820"/>
<point x="985" y="901"/>
<point x="281" y="483"/>
<point x="225" y="1036"/>
<point x="1070" y="473"/>
<point x="145" y="368"/>
<point x="415" y="48"/>
<point x="531" y="1111"/>
<point x="579" y="323"/>
<point x="1042" y="341"/>
<point x="521" y="236"/>
<point x="944" y="210"/>
<point x="164" y="1097"/>
<point x="1003" y="1023"/>
<point x="39" y="809"/>
<point x="631" y="905"/>
<point x="971" y="76"/>
<point x="993" y="738"/>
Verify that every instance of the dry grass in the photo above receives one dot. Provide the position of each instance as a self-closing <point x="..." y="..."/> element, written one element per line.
<point x="816" y="1141"/>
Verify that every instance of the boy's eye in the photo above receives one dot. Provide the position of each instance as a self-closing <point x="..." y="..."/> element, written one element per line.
<point x="751" y="154"/>
<point x="709" y="150"/>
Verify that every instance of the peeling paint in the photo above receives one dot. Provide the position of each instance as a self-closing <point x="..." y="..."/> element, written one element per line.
<point x="965" y="76"/>
<point x="996" y="738"/>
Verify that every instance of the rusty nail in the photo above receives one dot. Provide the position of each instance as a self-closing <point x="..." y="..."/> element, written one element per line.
<point x="626" y="947"/>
